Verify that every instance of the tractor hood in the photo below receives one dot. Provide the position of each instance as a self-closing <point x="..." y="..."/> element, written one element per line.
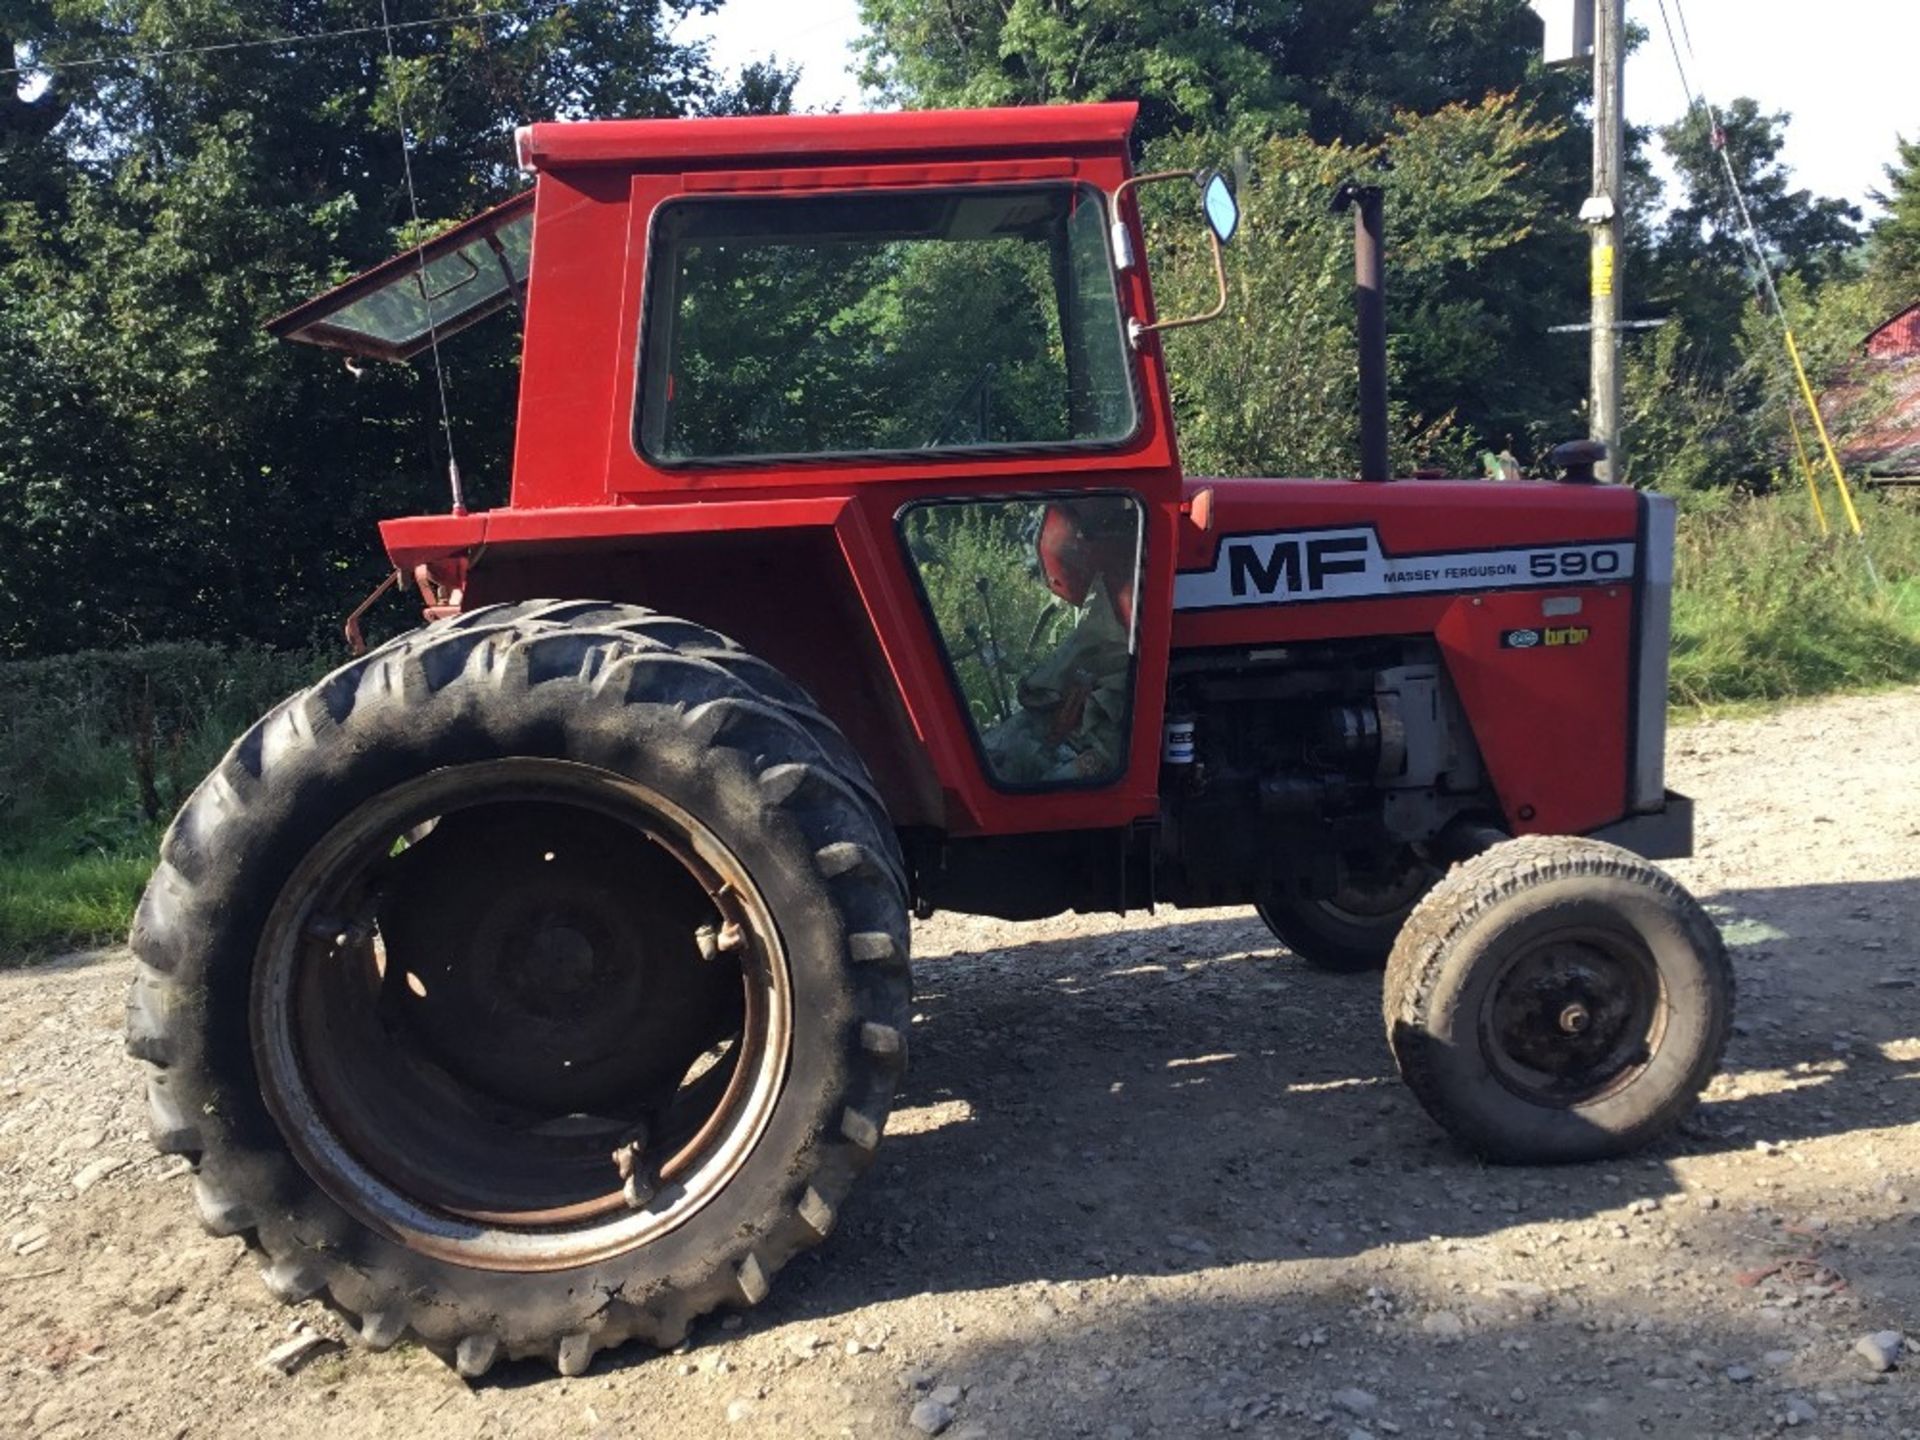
<point x="394" y="310"/>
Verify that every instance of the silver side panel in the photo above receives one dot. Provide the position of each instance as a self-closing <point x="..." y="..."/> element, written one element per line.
<point x="1656" y="639"/>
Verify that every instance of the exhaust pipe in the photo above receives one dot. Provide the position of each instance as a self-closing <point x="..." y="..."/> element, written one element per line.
<point x="1367" y="202"/>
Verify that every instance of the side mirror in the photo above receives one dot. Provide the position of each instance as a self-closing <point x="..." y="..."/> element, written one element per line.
<point x="1223" y="211"/>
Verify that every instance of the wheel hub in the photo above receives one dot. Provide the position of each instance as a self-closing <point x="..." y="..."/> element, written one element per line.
<point x="1573" y="1016"/>
<point x="530" y="951"/>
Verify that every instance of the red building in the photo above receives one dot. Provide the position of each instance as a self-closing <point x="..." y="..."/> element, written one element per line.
<point x="1876" y="413"/>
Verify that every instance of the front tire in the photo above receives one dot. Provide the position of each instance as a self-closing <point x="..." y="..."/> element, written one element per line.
<point x="1558" y="999"/>
<point x="535" y="982"/>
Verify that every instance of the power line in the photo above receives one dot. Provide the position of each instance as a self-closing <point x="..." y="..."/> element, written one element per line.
<point x="313" y="37"/>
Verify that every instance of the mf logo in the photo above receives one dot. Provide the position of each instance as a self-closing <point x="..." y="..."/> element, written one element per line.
<point x="1348" y="563"/>
<point x="1306" y="562"/>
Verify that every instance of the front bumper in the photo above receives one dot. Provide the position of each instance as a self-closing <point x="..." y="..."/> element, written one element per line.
<point x="1663" y="834"/>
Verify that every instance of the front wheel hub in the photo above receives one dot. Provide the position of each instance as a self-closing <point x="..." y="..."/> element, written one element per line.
<point x="1573" y="1016"/>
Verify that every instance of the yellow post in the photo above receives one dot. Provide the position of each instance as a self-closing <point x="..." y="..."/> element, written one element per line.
<point x="1820" y="428"/>
<point x="1806" y="469"/>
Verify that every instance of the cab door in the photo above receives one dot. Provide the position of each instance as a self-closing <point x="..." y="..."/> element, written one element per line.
<point x="953" y="359"/>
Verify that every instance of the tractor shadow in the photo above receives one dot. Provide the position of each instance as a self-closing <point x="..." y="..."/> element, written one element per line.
<point x="1183" y="1096"/>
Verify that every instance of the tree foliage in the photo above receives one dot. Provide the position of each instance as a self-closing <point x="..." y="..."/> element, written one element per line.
<point x="1896" y="237"/>
<point x="1335" y="69"/>
<point x="170" y="471"/>
<point x="1280" y="395"/>
<point x="1703" y="268"/>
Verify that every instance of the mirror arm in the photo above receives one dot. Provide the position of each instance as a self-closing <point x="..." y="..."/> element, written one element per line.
<point x="1122" y="237"/>
<point x="1136" y="332"/>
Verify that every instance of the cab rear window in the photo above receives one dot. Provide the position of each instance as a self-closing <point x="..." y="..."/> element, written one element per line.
<point x="395" y="310"/>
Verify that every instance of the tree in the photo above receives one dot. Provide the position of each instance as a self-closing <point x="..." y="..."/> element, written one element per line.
<point x="1702" y="267"/>
<point x="170" y="470"/>
<point x="1279" y="395"/>
<point x="1335" y="69"/>
<point x="1471" y="341"/>
<point x="1186" y="64"/>
<point x="1895" y="265"/>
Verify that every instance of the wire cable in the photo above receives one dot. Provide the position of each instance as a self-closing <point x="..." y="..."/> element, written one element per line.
<point x="426" y="295"/>
<point x="312" y="37"/>
<point x="1717" y="138"/>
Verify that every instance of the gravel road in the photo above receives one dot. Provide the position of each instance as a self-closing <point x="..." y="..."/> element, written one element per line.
<point x="1152" y="1178"/>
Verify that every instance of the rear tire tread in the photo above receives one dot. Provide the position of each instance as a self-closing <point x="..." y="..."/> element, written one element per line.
<point x="613" y="654"/>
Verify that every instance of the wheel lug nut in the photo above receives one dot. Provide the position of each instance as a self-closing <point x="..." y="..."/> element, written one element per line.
<point x="638" y="1183"/>
<point x="725" y="940"/>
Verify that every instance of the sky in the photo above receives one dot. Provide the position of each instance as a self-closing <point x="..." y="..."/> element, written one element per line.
<point x="1845" y="69"/>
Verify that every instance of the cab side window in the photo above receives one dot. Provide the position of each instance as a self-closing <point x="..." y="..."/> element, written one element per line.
<point x="882" y="323"/>
<point x="1033" y="602"/>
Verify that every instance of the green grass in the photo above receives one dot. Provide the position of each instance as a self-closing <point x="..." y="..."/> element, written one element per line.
<point x="1767" y="609"/>
<point x="96" y="752"/>
<point x="51" y="901"/>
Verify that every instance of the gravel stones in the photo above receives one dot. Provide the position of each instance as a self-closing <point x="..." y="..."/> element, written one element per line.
<point x="930" y="1416"/>
<point x="93" y="1173"/>
<point x="1355" y="1401"/>
<point x="1881" y="1350"/>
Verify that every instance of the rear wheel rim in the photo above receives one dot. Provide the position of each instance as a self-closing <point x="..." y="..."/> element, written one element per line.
<point x="1574" y="1016"/>
<point x="468" y="1086"/>
<point x="1368" y="903"/>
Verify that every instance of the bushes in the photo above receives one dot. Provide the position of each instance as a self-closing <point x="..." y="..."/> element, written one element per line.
<point x="1765" y="608"/>
<point x="97" y="749"/>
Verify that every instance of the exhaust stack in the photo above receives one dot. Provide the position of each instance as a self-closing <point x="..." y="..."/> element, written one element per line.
<point x="1367" y="202"/>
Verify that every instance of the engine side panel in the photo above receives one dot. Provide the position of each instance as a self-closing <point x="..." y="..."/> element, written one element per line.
<point x="1528" y="590"/>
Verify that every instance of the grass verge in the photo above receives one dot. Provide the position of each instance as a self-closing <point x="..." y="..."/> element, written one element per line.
<point x="1767" y="609"/>
<point x="52" y="901"/>
<point x="97" y="750"/>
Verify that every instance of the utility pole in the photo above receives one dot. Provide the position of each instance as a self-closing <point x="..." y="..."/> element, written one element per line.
<point x="1604" y="215"/>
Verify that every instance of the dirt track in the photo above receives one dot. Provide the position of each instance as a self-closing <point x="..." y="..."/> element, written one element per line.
<point x="1151" y="1178"/>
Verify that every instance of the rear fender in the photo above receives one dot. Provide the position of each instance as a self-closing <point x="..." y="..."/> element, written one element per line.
<point x="788" y="595"/>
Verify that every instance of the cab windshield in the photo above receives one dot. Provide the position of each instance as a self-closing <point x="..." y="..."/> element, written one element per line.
<point x="879" y="323"/>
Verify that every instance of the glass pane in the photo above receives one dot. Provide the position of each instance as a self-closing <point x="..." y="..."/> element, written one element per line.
<point x="456" y="284"/>
<point x="1033" y="602"/>
<point x="842" y="324"/>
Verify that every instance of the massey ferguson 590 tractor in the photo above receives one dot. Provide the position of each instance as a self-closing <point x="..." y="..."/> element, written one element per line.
<point x="539" y="979"/>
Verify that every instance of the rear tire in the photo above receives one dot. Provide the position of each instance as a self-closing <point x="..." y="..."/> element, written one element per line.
<point x="558" y="723"/>
<point x="1353" y="931"/>
<point x="1558" y="999"/>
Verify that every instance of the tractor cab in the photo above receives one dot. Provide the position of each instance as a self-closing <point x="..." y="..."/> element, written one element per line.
<point x="895" y="377"/>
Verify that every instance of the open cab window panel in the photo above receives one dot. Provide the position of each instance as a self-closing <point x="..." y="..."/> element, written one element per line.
<point x="394" y="310"/>
<point x="882" y="323"/>
<point x="1033" y="602"/>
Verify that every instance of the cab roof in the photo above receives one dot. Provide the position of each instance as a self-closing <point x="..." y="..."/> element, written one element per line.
<point x="667" y="144"/>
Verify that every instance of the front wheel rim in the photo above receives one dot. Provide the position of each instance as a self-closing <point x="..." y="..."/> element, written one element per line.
<point x="1574" y="1016"/>
<point x="468" y="1153"/>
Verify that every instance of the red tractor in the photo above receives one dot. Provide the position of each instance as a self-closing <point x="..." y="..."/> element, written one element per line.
<point x="539" y="980"/>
